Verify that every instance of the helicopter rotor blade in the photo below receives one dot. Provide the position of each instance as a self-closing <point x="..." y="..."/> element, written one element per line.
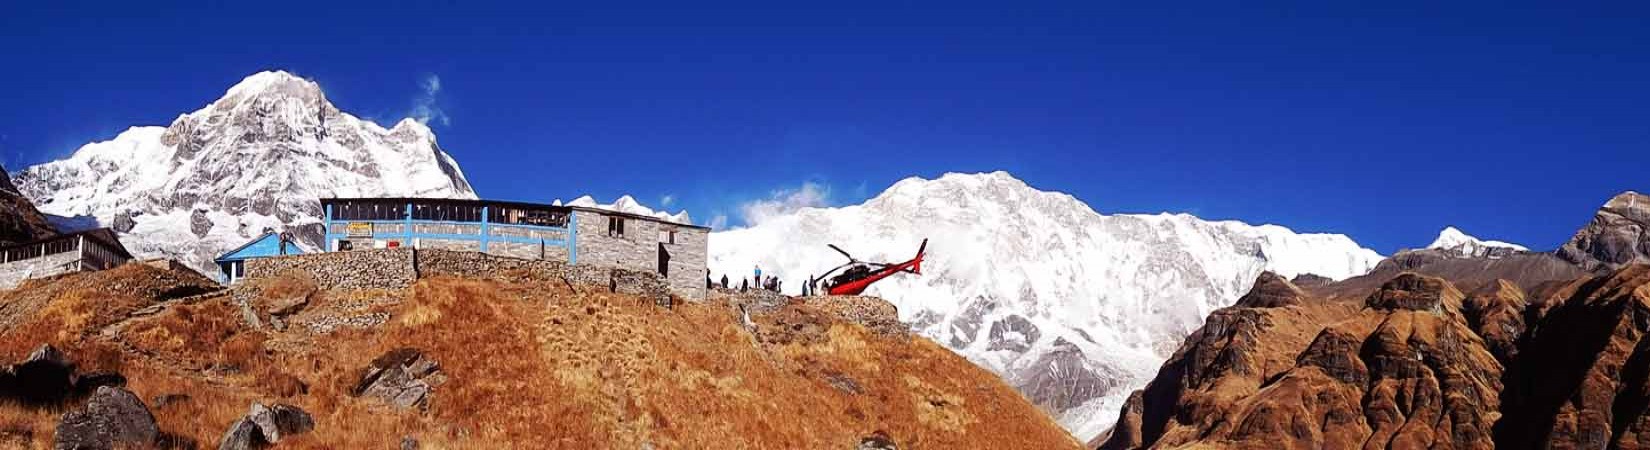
<point x="843" y="252"/>
<point x="828" y="273"/>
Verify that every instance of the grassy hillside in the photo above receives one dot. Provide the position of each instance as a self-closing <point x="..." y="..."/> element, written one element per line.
<point x="530" y="363"/>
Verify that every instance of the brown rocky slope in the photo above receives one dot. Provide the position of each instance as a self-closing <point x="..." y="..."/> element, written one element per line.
<point x="19" y="220"/>
<point x="1414" y="364"/>
<point x="491" y="363"/>
<point x="1432" y="349"/>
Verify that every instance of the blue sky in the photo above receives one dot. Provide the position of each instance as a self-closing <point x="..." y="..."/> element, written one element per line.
<point x="1385" y="122"/>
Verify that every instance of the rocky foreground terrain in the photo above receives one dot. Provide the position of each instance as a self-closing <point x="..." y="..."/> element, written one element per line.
<point x="140" y="356"/>
<point x="1432" y="349"/>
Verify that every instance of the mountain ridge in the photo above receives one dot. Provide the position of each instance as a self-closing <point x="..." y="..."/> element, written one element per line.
<point x="1434" y="348"/>
<point x="256" y="158"/>
<point x="1037" y="286"/>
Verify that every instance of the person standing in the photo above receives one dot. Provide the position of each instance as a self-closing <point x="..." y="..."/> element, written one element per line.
<point x="724" y="281"/>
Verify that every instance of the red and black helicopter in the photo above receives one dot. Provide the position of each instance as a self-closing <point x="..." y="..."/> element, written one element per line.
<point x="859" y="274"/>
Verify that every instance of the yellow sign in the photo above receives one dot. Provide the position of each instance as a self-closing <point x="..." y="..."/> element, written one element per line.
<point x="360" y="229"/>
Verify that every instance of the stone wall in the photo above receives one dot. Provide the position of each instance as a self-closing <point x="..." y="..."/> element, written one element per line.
<point x="638" y="249"/>
<point x="528" y="250"/>
<point x="362" y="269"/>
<point x="479" y="265"/>
<point x="399" y="268"/>
<point x="13" y="273"/>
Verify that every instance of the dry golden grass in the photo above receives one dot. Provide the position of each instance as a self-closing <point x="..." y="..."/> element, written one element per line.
<point x="537" y="365"/>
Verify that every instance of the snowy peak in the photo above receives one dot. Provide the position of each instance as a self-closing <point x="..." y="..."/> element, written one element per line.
<point x="1073" y="307"/>
<point x="277" y="82"/>
<point x="967" y="190"/>
<point x="1453" y="240"/>
<point x="258" y="157"/>
<point x="629" y="205"/>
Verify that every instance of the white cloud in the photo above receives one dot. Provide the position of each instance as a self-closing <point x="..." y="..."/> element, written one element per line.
<point x="424" y="108"/>
<point x="667" y="200"/>
<point x="785" y="201"/>
<point x="720" y="222"/>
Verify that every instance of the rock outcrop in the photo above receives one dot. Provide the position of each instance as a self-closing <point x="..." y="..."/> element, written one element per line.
<point x="113" y="418"/>
<point x="47" y="378"/>
<point x="1271" y="291"/>
<point x="1405" y="371"/>
<point x="1415" y="364"/>
<point x="1416" y="293"/>
<point x="264" y="425"/>
<point x="403" y="378"/>
<point x="19" y="220"/>
<point x="1619" y="234"/>
<point x="1496" y="313"/>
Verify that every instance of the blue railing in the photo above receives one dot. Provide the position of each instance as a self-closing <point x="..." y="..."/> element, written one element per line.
<point x="485" y="236"/>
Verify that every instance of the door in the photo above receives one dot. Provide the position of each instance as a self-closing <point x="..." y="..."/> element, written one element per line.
<point x="664" y="261"/>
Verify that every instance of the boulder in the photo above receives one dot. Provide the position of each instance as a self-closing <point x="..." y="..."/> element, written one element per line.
<point x="402" y="378"/>
<point x="46" y="377"/>
<point x="114" y="417"/>
<point x="877" y="441"/>
<point x="242" y="435"/>
<point x="280" y="421"/>
<point x="265" y="425"/>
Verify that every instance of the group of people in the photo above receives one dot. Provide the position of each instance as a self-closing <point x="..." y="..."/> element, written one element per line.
<point x="759" y="281"/>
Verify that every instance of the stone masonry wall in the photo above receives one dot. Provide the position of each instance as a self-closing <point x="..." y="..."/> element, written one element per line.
<point x="399" y="268"/>
<point x="362" y="269"/>
<point x="13" y="273"/>
<point x="479" y="265"/>
<point x="638" y="249"/>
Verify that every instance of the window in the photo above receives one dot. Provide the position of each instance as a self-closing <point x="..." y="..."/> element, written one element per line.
<point x="667" y="236"/>
<point x="615" y="226"/>
<point x="368" y="210"/>
<point x="544" y="217"/>
<point x="447" y="212"/>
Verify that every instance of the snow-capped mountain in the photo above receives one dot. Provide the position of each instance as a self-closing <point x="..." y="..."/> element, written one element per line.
<point x="628" y="204"/>
<point x="257" y="158"/>
<point x="1075" y="308"/>
<point x="1453" y="240"/>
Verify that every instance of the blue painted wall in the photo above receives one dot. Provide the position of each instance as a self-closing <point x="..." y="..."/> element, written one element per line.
<point x="266" y="246"/>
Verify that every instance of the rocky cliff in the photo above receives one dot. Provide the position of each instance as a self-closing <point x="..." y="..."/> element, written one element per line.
<point x="19" y="220"/>
<point x="1435" y="348"/>
<point x="1618" y="235"/>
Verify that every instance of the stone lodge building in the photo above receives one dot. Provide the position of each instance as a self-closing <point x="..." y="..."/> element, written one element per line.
<point x="571" y="234"/>
<point x="82" y="251"/>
